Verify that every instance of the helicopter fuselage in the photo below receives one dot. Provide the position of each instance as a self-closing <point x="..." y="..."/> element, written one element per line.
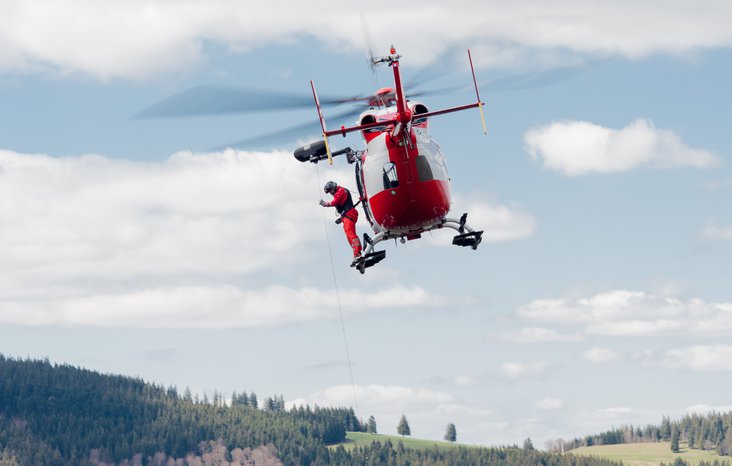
<point x="402" y="176"/>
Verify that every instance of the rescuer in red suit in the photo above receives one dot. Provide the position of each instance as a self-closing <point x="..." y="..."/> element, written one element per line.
<point x="343" y="202"/>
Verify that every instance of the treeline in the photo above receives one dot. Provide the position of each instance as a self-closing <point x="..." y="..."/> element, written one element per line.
<point x="711" y="431"/>
<point x="378" y="453"/>
<point x="681" y="462"/>
<point x="59" y="415"/>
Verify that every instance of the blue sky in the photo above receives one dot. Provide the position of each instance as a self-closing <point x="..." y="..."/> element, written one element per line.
<point x="600" y="296"/>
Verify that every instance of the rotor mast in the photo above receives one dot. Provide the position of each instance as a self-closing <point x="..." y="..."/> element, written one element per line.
<point x="404" y="114"/>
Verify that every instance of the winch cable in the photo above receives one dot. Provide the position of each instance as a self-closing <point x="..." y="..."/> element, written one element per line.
<point x="338" y="300"/>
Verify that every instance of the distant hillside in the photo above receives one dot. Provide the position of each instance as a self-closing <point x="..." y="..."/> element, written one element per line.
<point x="711" y="432"/>
<point x="653" y="454"/>
<point x="59" y="415"/>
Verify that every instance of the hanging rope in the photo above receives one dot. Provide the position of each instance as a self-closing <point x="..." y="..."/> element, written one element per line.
<point x="338" y="300"/>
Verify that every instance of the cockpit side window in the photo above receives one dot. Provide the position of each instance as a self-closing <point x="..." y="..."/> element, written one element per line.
<point x="424" y="171"/>
<point x="390" y="176"/>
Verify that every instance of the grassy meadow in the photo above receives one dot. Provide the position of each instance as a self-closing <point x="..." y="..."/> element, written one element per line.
<point x="647" y="454"/>
<point x="632" y="454"/>
<point x="360" y="439"/>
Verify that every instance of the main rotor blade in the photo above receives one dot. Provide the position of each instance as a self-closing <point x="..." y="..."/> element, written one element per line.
<point x="287" y="134"/>
<point x="522" y="81"/>
<point x="541" y="78"/>
<point x="218" y="100"/>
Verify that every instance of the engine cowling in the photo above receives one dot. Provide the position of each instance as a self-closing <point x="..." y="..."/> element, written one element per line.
<point x="419" y="108"/>
<point x="313" y="151"/>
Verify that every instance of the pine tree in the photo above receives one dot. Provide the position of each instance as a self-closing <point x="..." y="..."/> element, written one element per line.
<point x="371" y="426"/>
<point x="725" y="446"/>
<point x="675" y="439"/>
<point x="403" y="427"/>
<point x="665" y="428"/>
<point x="528" y="445"/>
<point x="451" y="434"/>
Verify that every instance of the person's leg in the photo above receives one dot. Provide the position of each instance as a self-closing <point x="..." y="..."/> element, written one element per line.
<point x="349" y="226"/>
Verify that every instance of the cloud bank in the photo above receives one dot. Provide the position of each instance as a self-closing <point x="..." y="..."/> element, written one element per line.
<point x="95" y="37"/>
<point x="700" y="358"/>
<point x="622" y="313"/>
<point x="197" y="241"/>
<point x="207" y="307"/>
<point x="576" y="148"/>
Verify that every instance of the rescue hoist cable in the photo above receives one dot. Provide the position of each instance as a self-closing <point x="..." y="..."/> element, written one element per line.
<point x="338" y="301"/>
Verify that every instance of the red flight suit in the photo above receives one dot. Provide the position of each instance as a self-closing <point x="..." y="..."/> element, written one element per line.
<point x="343" y="203"/>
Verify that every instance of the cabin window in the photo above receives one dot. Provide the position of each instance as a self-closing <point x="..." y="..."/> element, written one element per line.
<point x="390" y="176"/>
<point x="430" y="162"/>
<point x="424" y="171"/>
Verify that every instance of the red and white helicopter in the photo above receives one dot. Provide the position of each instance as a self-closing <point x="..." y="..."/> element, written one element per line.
<point x="401" y="176"/>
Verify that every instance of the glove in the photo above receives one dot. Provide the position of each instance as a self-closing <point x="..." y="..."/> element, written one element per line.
<point x="322" y="203"/>
<point x="339" y="220"/>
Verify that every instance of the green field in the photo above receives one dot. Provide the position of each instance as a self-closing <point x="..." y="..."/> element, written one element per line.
<point x="647" y="454"/>
<point x="360" y="439"/>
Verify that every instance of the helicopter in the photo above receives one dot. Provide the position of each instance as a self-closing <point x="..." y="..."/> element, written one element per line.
<point x="401" y="176"/>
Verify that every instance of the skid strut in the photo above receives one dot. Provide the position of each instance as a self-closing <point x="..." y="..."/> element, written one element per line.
<point x="466" y="237"/>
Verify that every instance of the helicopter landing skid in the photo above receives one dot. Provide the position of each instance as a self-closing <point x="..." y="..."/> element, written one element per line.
<point x="472" y="238"/>
<point x="368" y="260"/>
<point x="466" y="237"/>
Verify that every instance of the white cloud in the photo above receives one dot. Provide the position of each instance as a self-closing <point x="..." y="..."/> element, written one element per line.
<point x="599" y="355"/>
<point x="553" y="311"/>
<point x="636" y="327"/>
<point x="519" y="370"/>
<point x="632" y="313"/>
<point x="712" y="232"/>
<point x="540" y="335"/>
<point x="619" y="410"/>
<point x="212" y="307"/>
<point x="101" y="242"/>
<point x="549" y="404"/>
<point x="704" y="409"/>
<point x="498" y="222"/>
<point x="577" y="148"/>
<point x="341" y="395"/>
<point x="702" y="358"/>
<point x="95" y="217"/>
<point x="37" y="34"/>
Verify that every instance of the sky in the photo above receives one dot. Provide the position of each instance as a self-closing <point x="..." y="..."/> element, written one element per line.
<point x="152" y="247"/>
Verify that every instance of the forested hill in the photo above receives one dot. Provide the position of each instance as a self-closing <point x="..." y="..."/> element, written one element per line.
<point x="59" y="415"/>
<point x="711" y="431"/>
<point x="62" y="415"/>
